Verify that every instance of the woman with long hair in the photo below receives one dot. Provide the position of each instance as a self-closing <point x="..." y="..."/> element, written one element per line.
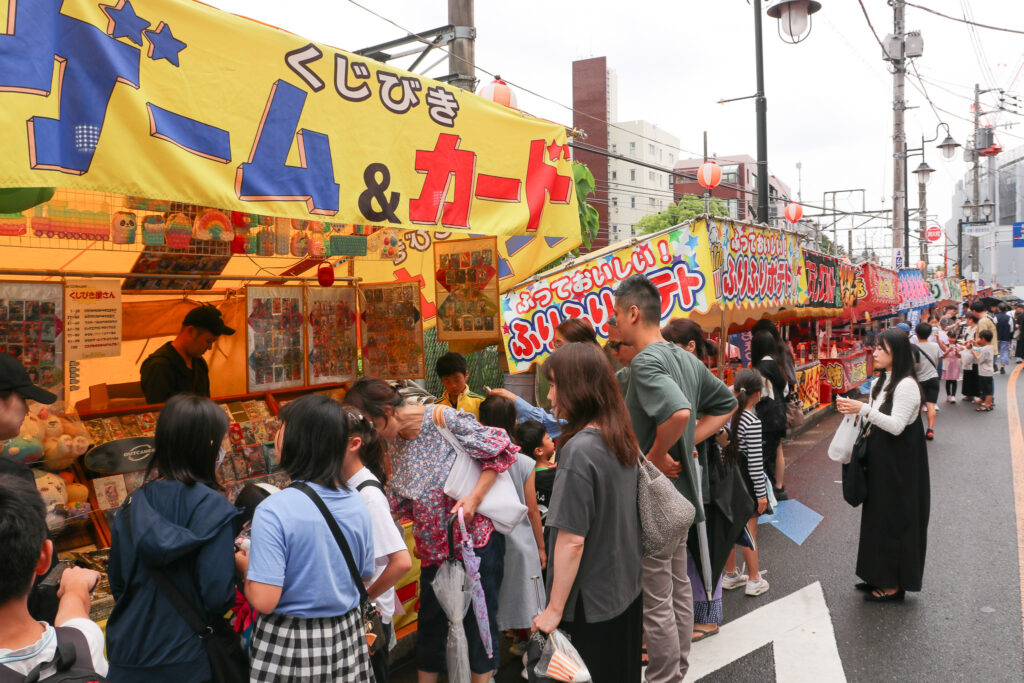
<point x="421" y="458"/>
<point x="894" y="521"/>
<point x="182" y="526"/>
<point x="594" y="559"/>
<point x="296" y="576"/>
<point x="766" y="356"/>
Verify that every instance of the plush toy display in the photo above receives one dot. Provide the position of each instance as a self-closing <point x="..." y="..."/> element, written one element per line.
<point x="77" y="493"/>
<point x="55" y="495"/>
<point x="52" y="426"/>
<point x="123" y="225"/>
<point x="213" y="225"/>
<point x="58" y="452"/>
<point x="79" y="511"/>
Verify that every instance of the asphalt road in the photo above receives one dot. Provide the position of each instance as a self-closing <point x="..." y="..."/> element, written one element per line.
<point x="812" y="625"/>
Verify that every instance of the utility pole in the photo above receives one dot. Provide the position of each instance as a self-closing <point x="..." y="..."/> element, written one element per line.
<point x="922" y="203"/>
<point x="899" y="136"/>
<point x="761" y="105"/>
<point x="994" y="230"/>
<point x="977" y="176"/>
<point x="462" y="61"/>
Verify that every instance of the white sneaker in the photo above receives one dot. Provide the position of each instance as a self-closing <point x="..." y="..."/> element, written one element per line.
<point x="757" y="587"/>
<point x="733" y="581"/>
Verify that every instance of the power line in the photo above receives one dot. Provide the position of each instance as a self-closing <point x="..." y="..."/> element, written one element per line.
<point x="872" y="26"/>
<point x="962" y="21"/>
<point x="426" y="41"/>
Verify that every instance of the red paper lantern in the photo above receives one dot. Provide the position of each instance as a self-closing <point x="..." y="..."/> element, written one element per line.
<point x="709" y="175"/>
<point x="325" y="274"/>
<point x="921" y="265"/>
<point x="794" y="212"/>
<point x="499" y="91"/>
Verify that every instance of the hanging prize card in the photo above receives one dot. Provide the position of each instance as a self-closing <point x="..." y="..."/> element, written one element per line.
<point x="274" y="337"/>
<point x="332" y="332"/>
<point x="467" y="290"/>
<point x="32" y="330"/>
<point x="392" y="331"/>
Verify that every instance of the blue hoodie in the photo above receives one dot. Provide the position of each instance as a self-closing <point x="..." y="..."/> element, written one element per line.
<point x="188" y="532"/>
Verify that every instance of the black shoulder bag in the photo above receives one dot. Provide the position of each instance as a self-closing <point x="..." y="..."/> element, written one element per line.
<point x="373" y="624"/>
<point x="228" y="663"/>
<point x="855" y="472"/>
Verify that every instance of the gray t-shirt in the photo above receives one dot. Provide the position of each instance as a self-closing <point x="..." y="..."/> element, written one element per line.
<point x="595" y="497"/>
<point x="926" y="370"/>
<point x="665" y="379"/>
<point x="986" y="356"/>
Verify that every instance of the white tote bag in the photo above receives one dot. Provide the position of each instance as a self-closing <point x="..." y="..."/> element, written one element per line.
<point x="501" y="505"/>
<point x="841" y="448"/>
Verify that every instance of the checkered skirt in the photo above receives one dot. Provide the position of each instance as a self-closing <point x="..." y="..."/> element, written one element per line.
<point x="317" y="650"/>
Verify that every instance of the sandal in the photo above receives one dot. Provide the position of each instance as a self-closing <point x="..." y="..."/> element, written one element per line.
<point x="878" y="596"/>
<point x="701" y="634"/>
<point x="865" y="587"/>
<point x="930" y="434"/>
<point x="983" y="409"/>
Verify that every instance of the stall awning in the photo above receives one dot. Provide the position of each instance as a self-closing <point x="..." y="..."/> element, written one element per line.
<point x="176" y="101"/>
<point x="713" y="270"/>
<point x="914" y="293"/>
<point x="881" y="291"/>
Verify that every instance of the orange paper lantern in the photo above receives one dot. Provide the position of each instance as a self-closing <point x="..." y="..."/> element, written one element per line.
<point x="794" y="212"/>
<point x="709" y="175"/>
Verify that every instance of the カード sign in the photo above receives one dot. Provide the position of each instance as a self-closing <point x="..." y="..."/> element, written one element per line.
<point x="180" y="101"/>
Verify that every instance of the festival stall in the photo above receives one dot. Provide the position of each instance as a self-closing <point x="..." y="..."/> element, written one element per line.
<point x="722" y="273"/>
<point x="191" y="156"/>
<point x="915" y="295"/>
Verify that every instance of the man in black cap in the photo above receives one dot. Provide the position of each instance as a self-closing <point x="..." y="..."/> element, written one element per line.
<point x="178" y="366"/>
<point x="15" y="387"/>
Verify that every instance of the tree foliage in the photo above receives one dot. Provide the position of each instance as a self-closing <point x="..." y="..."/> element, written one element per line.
<point x="689" y="206"/>
<point x="589" y="219"/>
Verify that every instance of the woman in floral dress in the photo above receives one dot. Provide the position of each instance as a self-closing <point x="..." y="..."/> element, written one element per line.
<point x="421" y="458"/>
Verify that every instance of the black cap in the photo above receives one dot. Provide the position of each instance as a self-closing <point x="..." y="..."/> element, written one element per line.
<point x="13" y="377"/>
<point x="208" y="318"/>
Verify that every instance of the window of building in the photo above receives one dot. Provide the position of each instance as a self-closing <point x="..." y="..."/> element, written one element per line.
<point x="650" y="175"/>
<point x="671" y="157"/>
<point x="615" y="174"/>
<point x="632" y="147"/>
<point x="651" y="202"/>
<point x="632" y="174"/>
<point x="615" y="149"/>
<point x="650" y="149"/>
<point x="733" y="206"/>
<point x="632" y="202"/>
<point x="731" y="175"/>
<point x="671" y="180"/>
<point x="615" y="201"/>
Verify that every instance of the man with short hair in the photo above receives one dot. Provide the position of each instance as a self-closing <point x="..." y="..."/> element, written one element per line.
<point x="178" y="367"/>
<point x="1004" y="335"/>
<point x="24" y="642"/>
<point x="622" y="351"/>
<point x="15" y="387"/>
<point x="668" y="388"/>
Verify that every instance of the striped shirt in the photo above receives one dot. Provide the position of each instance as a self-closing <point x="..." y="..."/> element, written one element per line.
<point x="749" y="442"/>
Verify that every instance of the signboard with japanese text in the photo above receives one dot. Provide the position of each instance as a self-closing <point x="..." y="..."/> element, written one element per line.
<point x="275" y="338"/>
<point x="467" y="290"/>
<point x="32" y="330"/>
<point x="671" y="260"/>
<point x="332" y="329"/>
<point x="391" y="331"/>
<point x="823" y="282"/>
<point x="914" y="293"/>
<point x="92" y="319"/>
<point x="215" y="110"/>
<point x="705" y="270"/>
<point x="882" y="289"/>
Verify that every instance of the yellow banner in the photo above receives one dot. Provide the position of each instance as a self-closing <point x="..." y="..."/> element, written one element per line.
<point x="175" y="100"/>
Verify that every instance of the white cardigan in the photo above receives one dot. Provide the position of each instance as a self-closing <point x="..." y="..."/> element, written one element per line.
<point x="906" y="404"/>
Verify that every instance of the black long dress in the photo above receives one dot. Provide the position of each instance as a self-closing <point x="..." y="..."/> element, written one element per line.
<point x="894" y="522"/>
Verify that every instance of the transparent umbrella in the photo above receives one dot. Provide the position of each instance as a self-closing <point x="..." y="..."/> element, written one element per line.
<point x="453" y="589"/>
<point x="472" y="563"/>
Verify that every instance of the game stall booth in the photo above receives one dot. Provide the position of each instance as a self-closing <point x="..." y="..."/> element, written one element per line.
<point x="331" y="207"/>
<point x="722" y="273"/>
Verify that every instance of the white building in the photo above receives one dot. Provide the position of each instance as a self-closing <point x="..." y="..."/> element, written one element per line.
<point x="635" y="191"/>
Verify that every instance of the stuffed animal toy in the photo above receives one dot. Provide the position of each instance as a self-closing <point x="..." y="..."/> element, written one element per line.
<point x="31" y="428"/>
<point x="25" y="451"/>
<point x="58" y="452"/>
<point x="153" y="230"/>
<point x="55" y="495"/>
<point x="52" y="427"/>
<point x="77" y="493"/>
<point x="79" y="511"/>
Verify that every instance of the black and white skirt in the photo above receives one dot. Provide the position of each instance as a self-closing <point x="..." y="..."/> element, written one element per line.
<point x="313" y="650"/>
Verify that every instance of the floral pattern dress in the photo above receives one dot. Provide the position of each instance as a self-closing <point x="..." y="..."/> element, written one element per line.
<point x="420" y="466"/>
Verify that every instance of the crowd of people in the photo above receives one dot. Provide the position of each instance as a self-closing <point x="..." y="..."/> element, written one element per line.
<point x="306" y="561"/>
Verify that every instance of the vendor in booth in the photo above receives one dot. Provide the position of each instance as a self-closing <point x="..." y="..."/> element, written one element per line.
<point x="178" y="366"/>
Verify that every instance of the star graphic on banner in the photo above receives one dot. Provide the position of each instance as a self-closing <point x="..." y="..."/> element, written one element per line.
<point x="163" y="44"/>
<point x="505" y="330"/>
<point x="554" y="151"/>
<point x="124" y="22"/>
<point x="566" y="153"/>
<point x="692" y="242"/>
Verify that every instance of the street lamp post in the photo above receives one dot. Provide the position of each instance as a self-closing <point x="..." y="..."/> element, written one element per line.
<point x="923" y="173"/>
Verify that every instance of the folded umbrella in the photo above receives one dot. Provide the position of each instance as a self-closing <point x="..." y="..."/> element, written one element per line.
<point x="453" y="587"/>
<point x="472" y="563"/>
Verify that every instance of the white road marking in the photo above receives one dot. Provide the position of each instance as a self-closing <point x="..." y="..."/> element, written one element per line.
<point x="800" y="627"/>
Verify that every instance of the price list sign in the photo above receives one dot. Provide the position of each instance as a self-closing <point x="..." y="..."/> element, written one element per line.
<point x="92" y="321"/>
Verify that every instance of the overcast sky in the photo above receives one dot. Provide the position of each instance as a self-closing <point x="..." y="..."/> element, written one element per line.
<point x="829" y="97"/>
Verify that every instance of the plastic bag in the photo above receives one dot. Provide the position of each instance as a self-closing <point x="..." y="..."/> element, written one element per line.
<point x="846" y="435"/>
<point x="560" y="661"/>
<point x="452" y="588"/>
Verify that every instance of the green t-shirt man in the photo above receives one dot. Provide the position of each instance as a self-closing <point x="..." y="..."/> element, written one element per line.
<point x="664" y="379"/>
